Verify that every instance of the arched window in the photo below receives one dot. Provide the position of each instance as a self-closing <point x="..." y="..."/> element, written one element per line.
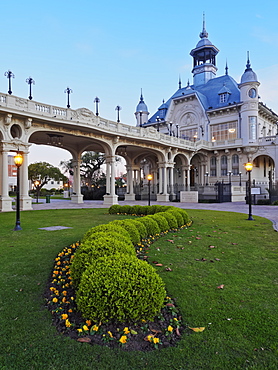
<point x="224" y="165"/>
<point x="213" y="171"/>
<point x="235" y="164"/>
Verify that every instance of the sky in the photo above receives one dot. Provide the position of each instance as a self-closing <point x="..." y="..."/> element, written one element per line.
<point x="112" y="49"/>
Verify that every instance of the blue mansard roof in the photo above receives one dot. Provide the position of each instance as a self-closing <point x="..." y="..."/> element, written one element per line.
<point x="207" y="94"/>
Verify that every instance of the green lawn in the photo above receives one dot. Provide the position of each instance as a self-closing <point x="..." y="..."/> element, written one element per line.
<point x="240" y="320"/>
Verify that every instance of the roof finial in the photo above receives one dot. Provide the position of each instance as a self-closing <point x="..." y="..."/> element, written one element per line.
<point x="188" y="83"/>
<point x="226" y="68"/>
<point x="248" y="65"/>
<point x="179" y="82"/>
<point x="204" y="33"/>
<point x="141" y="97"/>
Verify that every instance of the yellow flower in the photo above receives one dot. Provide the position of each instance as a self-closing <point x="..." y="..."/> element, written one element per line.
<point x="64" y="292"/>
<point x="89" y="322"/>
<point x="64" y="300"/>
<point x="156" y="340"/>
<point x="111" y="335"/>
<point x="55" y="300"/>
<point x="85" y="328"/>
<point x="70" y="310"/>
<point x="79" y="330"/>
<point x="123" y="339"/>
<point x="68" y="324"/>
<point x="64" y="316"/>
<point x="126" y="330"/>
<point x="170" y="328"/>
<point x="95" y="328"/>
<point x="150" y="337"/>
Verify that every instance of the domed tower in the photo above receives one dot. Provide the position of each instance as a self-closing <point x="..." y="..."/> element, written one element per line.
<point x="204" y="64"/>
<point x="141" y="113"/>
<point x="250" y="98"/>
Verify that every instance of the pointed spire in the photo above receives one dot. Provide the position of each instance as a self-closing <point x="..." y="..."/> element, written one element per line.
<point x="248" y="65"/>
<point x="204" y="33"/>
<point x="179" y="82"/>
<point x="141" y="97"/>
<point x="226" y="68"/>
<point x="188" y="83"/>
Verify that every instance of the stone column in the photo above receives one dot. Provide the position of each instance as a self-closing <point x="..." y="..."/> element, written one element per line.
<point x="5" y="200"/>
<point x="160" y="180"/>
<point x="183" y="177"/>
<point x="188" y="178"/>
<point x="108" y="180"/>
<point x="172" y="194"/>
<point x="25" y="200"/>
<point x="76" y="196"/>
<point x="129" y="191"/>
<point x="164" y="197"/>
<point x="112" y="198"/>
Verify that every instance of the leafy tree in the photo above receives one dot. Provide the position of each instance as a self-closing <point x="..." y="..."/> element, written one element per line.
<point x="42" y="172"/>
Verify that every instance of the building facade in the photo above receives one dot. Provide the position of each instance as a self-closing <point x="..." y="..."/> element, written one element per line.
<point x="226" y="117"/>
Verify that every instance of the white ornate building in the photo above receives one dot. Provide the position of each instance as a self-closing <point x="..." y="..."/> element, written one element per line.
<point x="227" y="117"/>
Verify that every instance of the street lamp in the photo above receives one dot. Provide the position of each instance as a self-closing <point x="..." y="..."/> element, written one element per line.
<point x="177" y="127"/>
<point x="37" y="183"/>
<point x="240" y="178"/>
<point x="68" y="91"/>
<point x="97" y="101"/>
<point x="230" y="175"/>
<point x="170" y="124"/>
<point x="149" y="177"/>
<point x="207" y="174"/>
<point x="9" y="74"/>
<point x="18" y="159"/>
<point x="118" y="108"/>
<point x="249" y="166"/>
<point x="30" y="81"/>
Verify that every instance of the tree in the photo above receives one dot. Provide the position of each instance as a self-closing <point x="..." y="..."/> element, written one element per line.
<point x="42" y="172"/>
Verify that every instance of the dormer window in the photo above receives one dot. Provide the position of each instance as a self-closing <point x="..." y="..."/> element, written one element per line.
<point x="223" y="98"/>
<point x="224" y="94"/>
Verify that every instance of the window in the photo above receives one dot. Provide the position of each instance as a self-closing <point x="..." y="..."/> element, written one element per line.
<point x="252" y="128"/>
<point x="235" y="164"/>
<point x="224" y="165"/>
<point x="223" y="98"/>
<point x="189" y="134"/>
<point x="224" y="131"/>
<point x="213" y="162"/>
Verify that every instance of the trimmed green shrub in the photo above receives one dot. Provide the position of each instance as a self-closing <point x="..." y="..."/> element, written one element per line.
<point x="120" y="289"/>
<point x="135" y="210"/>
<point x="178" y="216"/>
<point x="101" y="244"/>
<point x="150" y="224"/>
<point x="106" y="228"/>
<point x="185" y="216"/>
<point x="263" y="201"/>
<point x="171" y="219"/>
<point x="116" y="208"/>
<point x="275" y="203"/>
<point x="162" y="222"/>
<point x="126" y="209"/>
<point x="129" y="226"/>
<point x="141" y="228"/>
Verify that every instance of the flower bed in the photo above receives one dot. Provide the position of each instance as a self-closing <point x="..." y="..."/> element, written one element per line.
<point x="163" y="331"/>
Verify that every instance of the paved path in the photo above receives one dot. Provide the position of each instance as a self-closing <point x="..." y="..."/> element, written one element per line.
<point x="269" y="212"/>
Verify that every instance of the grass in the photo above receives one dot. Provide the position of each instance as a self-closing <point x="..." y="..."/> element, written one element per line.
<point x="240" y="320"/>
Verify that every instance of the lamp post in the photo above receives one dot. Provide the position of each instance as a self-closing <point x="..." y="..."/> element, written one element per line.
<point x="118" y="108"/>
<point x="177" y="127"/>
<point x="170" y="124"/>
<point x="18" y="159"/>
<point x="207" y="174"/>
<point x="149" y="177"/>
<point x="240" y="178"/>
<point x="249" y="166"/>
<point x="30" y="82"/>
<point x="37" y="183"/>
<point x="9" y="74"/>
<point x="68" y="91"/>
<point x="97" y="101"/>
<point x="158" y="121"/>
<point x="230" y="176"/>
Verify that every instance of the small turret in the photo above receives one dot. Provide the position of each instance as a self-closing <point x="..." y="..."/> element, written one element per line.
<point x="141" y="113"/>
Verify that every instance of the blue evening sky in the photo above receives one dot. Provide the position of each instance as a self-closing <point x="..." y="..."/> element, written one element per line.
<point x="112" y="49"/>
